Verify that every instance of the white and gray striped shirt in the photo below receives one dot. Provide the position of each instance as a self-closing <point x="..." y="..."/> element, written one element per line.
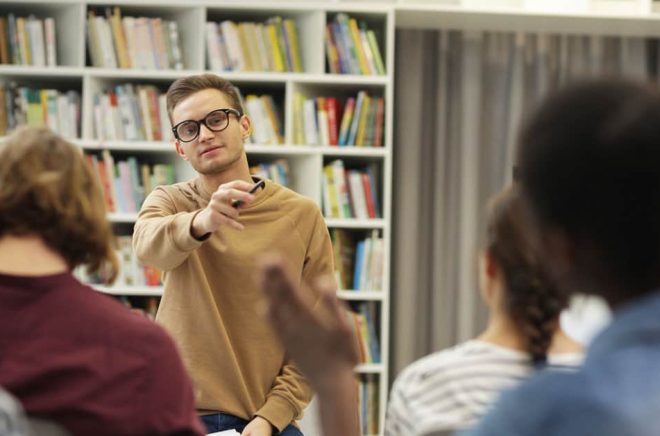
<point x="451" y="389"/>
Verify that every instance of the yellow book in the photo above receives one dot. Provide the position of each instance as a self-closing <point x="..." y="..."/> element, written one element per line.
<point x="362" y="122"/>
<point x="271" y="30"/>
<point x="332" y="196"/>
<point x="294" y="47"/>
<point x="119" y="37"/>
<point x="246" y="47"/>
<point x="23" y="41"/>
<point x="357" y="42"/>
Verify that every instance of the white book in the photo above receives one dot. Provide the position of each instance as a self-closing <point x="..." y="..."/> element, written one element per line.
<point x="175" y="45"/>
<point x="128" y="23"/>
<point x="35" y="32"/>
<point x="225" y="433"/>
<point x="128" y="126"/>
<point x="63" y="118"/>
<point x="51" y="42"/>
<point x="341" y="188"/>
<point x="262" y="49"/>
<point x="309" y="122"/>
<point x="107" y="47"/>
<point x="213" y="47"/>
<point x="233" y="44"/>
<point x="107" y="120"/>
<point x="357" y="194"/>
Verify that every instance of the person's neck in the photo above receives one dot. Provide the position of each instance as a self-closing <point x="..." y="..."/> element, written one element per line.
<point x="29" y="256"/>
<point x="211" y="182"/>
<point x="503" y="332"/>
<point x="500" y="331"/>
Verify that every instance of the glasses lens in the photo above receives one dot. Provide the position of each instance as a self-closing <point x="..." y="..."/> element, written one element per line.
<point x="187" y="131"/>
<point x="216" y="120"/>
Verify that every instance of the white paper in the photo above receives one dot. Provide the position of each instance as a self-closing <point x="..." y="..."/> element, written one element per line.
<point x="225" y="433"/>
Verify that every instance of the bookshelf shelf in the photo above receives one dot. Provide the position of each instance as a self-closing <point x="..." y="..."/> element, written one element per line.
<point x="370" y="368"/>
<point x="122" y="217"/>
<point x="353" y="223"/>
<point x="353" y="295"/>
<point x="150" y="291"/>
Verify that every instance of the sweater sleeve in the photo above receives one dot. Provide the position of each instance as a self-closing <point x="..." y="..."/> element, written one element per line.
<point x="162" y="236"/>
<point x="287" y="398"/>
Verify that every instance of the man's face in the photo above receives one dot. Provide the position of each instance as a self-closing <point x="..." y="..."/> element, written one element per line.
<point x="211" y="152"/>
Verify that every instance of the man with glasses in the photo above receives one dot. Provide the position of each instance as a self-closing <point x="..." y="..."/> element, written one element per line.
<point x="206" y="234"/>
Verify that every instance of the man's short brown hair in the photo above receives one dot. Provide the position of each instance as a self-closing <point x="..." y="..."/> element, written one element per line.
<point x="47" y="189"/>
<point x="187" y="86"/>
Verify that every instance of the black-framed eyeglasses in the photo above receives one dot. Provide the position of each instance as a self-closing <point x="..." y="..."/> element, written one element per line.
<point x="215" y="121"/>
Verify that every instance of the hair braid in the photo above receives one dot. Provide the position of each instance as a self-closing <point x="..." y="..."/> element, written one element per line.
<point x="531" y="300"/>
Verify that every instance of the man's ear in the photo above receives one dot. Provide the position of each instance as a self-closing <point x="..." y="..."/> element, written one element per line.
<point x="246" y="126"/>
<point x="179" y="149"/>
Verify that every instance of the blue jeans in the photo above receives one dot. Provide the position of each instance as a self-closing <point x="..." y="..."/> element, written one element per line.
<point x="223" y="421"/>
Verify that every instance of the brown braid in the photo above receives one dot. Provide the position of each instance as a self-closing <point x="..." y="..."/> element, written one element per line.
<point x="531" y="300"/>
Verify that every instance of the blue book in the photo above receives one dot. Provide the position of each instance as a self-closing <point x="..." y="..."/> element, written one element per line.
<point x="359" y="255"/>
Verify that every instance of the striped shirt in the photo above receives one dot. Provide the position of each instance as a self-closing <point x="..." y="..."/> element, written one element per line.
<point x="451" y="389"/>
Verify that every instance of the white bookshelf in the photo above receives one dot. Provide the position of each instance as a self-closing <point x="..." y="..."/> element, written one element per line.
<point x="75" y="72"/>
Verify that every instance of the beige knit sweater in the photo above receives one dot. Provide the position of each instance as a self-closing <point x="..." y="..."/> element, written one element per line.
<point x="211" y="298"/>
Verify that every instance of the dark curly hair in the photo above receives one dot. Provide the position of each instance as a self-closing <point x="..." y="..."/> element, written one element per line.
<point x="530" y="299"/>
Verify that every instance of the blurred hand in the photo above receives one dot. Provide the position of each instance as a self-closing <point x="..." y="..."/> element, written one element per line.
<point x="258" y="427"/>
<point x="321" y="340"/>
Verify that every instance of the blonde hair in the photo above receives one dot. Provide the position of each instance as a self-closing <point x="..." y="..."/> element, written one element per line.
<point x="47" y="189"/>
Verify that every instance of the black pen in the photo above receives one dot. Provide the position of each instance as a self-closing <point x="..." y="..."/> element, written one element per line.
<point x="260" y="184"/>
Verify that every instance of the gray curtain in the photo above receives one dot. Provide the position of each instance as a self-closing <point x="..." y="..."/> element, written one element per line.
<point x="460" y="98"/>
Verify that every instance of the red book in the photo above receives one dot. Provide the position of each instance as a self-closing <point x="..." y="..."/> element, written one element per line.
<point x="332" y="110"/>
<point x="369" y="195"/>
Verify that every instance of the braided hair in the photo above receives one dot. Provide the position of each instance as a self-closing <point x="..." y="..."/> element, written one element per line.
<point x="530" y="299"/>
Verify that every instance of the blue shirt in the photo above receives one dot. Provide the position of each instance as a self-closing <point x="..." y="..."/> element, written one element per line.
<point x="615" y="393"/>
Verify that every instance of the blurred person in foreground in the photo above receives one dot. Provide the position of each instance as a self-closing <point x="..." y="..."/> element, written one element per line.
<point x="69" y="354"/>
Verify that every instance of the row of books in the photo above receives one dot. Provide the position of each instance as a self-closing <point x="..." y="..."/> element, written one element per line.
<point x="277" y="171"/>
<point x="28" y="41"/>
<point x="368" y="399"/>
<point x="317" y="120"/>
<point x="358" y="262"/>
<point x="349" y="193"/>
<point x="131" y="112"/>
<point x="266" y="119"/>
<point x="364" y="323"/>
<point x="352" y="48"/>
<point x="133" y="42"/>
<point x="249" y="46"/>
<point x="131" y="271"/>
<point x="22" y="105"/>
<point x="126" y="183"/>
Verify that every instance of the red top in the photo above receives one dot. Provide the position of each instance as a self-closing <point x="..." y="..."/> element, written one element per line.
<point x="81" y="359"/>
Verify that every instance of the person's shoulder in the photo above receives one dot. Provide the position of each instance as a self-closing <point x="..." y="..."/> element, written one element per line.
<point x="290" y="197"/>
<point x="441" y="362"/>
<point x="116" y="325"/>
